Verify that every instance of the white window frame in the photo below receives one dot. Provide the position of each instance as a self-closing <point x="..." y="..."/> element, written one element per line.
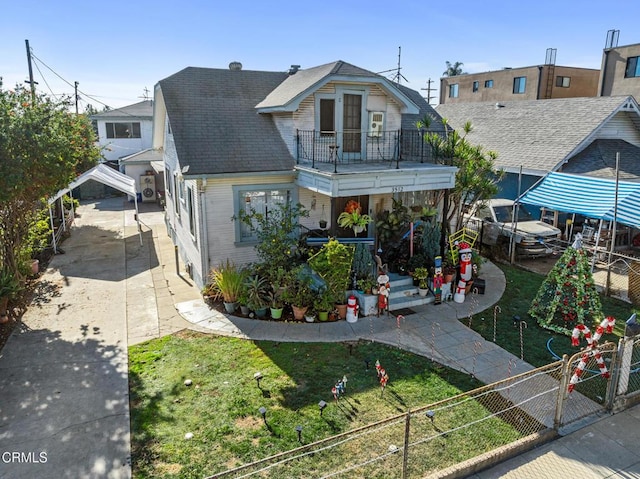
<point x="242" y="232"/>
<point x="190" y="205"/>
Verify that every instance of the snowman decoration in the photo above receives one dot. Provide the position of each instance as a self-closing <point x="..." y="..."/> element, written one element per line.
<point x="466" y="271"/>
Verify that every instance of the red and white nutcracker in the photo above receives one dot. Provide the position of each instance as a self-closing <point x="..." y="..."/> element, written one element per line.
<point x="466" y="270"/>
<point x="352" y="309"/>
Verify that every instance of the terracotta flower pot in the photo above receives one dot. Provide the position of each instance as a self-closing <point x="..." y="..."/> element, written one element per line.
<point x="298" y="312"/>
<point x="342" y="310"/>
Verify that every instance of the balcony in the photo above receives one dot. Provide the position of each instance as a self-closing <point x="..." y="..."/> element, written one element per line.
<point x="333" y="150"/>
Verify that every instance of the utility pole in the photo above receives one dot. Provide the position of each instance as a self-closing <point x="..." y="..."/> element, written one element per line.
<point x="30" y="81"/>
<point x="75" y="86"/>
<point x="428" y="90"/>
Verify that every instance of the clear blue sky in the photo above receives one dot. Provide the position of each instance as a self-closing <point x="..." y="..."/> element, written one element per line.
<point x="117" y="48"/>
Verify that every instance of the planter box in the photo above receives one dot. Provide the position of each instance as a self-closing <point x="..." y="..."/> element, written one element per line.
<point x="368" y="303"/>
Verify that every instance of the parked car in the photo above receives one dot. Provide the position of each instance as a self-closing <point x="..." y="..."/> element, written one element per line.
<point x="493" y="220"/>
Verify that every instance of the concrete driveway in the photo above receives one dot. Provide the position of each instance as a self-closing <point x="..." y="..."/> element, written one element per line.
<point x="64" y="393"/>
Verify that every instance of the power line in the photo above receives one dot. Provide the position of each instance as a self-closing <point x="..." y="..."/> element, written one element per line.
<point x="45" y="81"/>
<point x="74" y="86"/>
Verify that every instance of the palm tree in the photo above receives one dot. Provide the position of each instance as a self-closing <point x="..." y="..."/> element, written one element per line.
<point x="453" y="69"/>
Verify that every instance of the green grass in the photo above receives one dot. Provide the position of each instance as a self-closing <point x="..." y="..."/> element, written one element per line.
<point x="522" y="286"/>
<point x="221" y="406"/>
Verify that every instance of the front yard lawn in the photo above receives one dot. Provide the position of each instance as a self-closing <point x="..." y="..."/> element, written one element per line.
<point x="221" y="406"/>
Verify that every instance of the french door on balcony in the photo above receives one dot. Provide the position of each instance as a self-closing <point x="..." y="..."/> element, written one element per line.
<point x="352" y="126"/>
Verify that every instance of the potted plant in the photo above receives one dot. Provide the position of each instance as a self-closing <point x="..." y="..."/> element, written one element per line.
<point x="298" y="293"/>
<point x="228" y="280"/>
<point x="257" y="294"/>
<point x="353" y="218"/>
<point x="9" y="287"/>
<point x="448" y="270"/>
<point x="422" y="274"/>
<point x="323" y="304"/>
<point x="243" y="300"/>
<point x="275" y="303"/>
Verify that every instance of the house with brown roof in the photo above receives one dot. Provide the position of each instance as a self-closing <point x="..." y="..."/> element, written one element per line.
<point x="235" y="139"/>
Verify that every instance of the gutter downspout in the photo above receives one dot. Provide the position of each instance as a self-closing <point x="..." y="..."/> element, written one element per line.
<point x="204" y="234"/>
<point x="604" y="72"/>
<point x="540" y="68"/>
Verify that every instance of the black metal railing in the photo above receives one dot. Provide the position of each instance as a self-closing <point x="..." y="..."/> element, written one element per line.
<point x="349" y="147"/>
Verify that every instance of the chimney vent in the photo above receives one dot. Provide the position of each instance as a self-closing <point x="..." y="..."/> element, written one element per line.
<point x="235" y="66"/>
<point x="294" y="69"/>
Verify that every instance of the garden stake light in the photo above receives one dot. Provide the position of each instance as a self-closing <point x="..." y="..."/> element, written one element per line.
<point x="299" y="431"/>
<point x="258" y="376"/>
<point x="263" y="411"/>
<point x="322" y="405"/>
<point x="431" y="415"/>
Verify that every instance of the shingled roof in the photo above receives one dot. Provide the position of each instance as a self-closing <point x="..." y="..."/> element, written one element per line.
<point x="216" y="128"/>
<point x="409" y="120"/>
<point x="141" y="109"/>
<point x="599" y="160"/>
<point x="538" y="135"/>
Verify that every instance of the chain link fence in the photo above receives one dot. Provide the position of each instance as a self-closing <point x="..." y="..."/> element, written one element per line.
<point x="428" y="440"/>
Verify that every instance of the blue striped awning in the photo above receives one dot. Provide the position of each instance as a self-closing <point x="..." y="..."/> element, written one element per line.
<point x="588" y="196"/>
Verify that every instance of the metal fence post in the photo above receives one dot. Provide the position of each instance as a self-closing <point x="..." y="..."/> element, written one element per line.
<point x="562" y="392"/>
<point x="610" y="393"/>
<point x="624" y="368"/>
<point x="405" y="453"/>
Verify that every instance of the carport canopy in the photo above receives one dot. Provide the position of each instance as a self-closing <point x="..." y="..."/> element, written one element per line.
<point x="105" y="175"/>
<point x="589" y="196"/>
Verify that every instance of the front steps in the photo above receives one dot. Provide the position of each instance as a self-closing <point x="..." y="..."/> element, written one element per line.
<point x="403" y="295"/>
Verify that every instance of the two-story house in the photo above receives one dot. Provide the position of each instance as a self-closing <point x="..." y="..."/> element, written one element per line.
<point x="125" y="137"/>
<point x="124" y="131"/>
<point x="236" y="139"/>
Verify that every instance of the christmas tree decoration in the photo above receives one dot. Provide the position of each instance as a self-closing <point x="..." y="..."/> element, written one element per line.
<point x="568" y="296"/>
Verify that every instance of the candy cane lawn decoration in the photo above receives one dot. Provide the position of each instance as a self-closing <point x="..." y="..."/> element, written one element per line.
<point x="591" y="349"/>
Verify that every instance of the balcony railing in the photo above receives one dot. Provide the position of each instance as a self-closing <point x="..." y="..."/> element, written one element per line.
<point x="354" y="147"/>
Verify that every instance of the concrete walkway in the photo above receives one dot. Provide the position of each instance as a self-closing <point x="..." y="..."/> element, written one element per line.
<point x="63" y="375"/>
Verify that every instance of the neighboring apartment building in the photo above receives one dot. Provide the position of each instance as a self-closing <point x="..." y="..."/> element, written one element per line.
<point x="526" y="83"/>
<point x="620" y="73"/>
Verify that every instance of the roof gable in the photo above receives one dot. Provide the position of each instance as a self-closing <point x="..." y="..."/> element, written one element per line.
<point x="538" y="135"/>
<point x="295" y="88"/>
<point x="599" y="160"/>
